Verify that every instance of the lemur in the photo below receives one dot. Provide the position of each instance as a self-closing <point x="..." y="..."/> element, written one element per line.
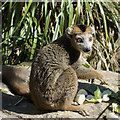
<point x="56" y="69"/>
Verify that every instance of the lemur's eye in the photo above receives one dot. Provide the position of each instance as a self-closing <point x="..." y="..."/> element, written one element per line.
<point x="79" y="40"/>
<point x="90" y="39"/>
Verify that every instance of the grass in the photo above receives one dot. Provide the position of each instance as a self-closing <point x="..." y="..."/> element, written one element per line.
<point x="28" y="26"/>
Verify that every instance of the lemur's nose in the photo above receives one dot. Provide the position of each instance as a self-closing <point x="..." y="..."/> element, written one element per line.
<point x="86" y="49"/>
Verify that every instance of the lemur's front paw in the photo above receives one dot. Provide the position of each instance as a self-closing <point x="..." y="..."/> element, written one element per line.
<point x="100" y="77"/>
<point x="103" y="82"/>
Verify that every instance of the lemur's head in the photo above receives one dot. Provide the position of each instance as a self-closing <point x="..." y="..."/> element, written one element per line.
<point x="81" y="37"/>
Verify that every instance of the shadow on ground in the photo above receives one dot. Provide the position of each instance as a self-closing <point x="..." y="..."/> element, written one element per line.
<point x="24" y="107"/>
<point x="27" y="107"/>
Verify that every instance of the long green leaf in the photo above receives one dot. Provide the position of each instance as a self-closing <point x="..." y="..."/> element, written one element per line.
<point x="104" y="19"/>
<point x="47" y="23"/>
<point x="70" y="12"/>
<point x="30" y="2"/>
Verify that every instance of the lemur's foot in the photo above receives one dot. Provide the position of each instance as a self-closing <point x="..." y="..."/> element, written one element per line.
<point x="84" y="113"/>
<point x="77" y="109"/>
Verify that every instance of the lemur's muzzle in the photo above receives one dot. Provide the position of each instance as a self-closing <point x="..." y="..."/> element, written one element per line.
<point x="86" y="50"/>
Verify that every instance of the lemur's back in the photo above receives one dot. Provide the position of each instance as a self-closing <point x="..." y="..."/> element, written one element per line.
<point x="53" y="81"/>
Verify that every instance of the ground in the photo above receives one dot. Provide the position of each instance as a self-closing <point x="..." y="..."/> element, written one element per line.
<point x="26" y="109"/>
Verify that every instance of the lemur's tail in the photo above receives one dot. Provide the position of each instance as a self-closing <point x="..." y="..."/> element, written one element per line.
<point x="15" y="78"/>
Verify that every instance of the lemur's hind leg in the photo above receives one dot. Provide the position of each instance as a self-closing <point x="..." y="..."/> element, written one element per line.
<point x="70" y="87"/>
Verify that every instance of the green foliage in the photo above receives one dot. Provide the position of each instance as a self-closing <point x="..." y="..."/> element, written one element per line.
<point x="28" y="26"/>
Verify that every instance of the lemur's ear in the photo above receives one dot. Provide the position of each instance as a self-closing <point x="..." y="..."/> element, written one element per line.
<point x="92" y="28"/>
<point x="69" y="32"/>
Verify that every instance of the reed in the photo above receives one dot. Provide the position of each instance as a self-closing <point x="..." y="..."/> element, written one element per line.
<point x="28" y="26"/>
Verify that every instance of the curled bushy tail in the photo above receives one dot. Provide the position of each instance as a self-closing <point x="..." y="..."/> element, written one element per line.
<point x="16" y="77"/>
